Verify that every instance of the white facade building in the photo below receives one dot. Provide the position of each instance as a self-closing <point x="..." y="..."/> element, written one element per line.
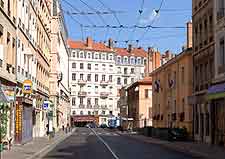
<point x="92" y="79"/>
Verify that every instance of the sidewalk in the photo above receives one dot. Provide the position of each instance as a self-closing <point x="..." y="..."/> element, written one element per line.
<point x="34" y="148"/>
<point x="192" y="148"/>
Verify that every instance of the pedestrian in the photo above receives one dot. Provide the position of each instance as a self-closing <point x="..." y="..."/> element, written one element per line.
<point x="47" y="131"/>
<point x="63" y="128"/>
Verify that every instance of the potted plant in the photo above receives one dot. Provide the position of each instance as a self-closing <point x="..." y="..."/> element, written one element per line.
<point x="3" y="123"/>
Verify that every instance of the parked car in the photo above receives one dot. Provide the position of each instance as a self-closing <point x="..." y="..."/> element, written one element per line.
<point x="103" y="126"/>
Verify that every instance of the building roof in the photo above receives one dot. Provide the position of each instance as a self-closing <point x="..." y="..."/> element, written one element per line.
<point x="173" y="60"/>
<point x="145" y="81"/>
<point x="138" y="52"/>
<point x="82" y="45"/>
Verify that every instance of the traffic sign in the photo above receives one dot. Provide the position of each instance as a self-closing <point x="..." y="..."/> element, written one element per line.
<point x="45" y="105"/>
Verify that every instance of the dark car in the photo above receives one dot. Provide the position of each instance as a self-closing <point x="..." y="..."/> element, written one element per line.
<point x="103" y="126"/>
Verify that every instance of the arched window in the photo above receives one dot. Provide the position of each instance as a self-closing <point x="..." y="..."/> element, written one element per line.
<point x="74" y="112"/>
<point x="81" y="54"/>
<point x="81" y="112"/>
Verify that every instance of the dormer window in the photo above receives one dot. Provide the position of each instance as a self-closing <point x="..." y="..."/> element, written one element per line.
<point x="96" y="56"/>
<point x="81" y="54"/>
<point x="118" y="59"/>
<point x="125" y="60"/>
<point x="89" y="55"/>
<point x="110" y="57"/>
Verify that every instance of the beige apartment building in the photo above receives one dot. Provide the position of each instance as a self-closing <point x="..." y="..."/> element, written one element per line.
<point x="203" y="68"/>
<point x="172" y="83"/>
<point x="216" y="93"/>
<point x="8" y="60"/>
<point x="139" y="100"/>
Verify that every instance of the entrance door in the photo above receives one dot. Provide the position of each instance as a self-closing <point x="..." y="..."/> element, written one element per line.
<point x="27" y="123"/>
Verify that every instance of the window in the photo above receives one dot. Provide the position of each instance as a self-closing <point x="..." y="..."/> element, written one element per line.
<point x="118" y="69"/>
<point x="103" y="112"/>
<point x="207" y="124"/>
<point x="88" y="101"/>
<point x="1" y="34"/>
<point x="222" y="53"/>
<point x="73" y="65"/>
<point x="8" y="37"/>
<point x="81" y="100"/>
<point x="96" y="88"/>
<point x="81" y="76"/>
<point x="110" y="57"/>
<point x="89" y="66"/>
<point x="73" y="76"/>
<point x="81" y="66"/>
<point x="125" y="60"/>
<point x="81" y="112"/>
<point x="96" y="78"/>
<point x="89" y="77"/>
<point x="96" y="66"/>
<point x="89" y="112"/>
<point x="118" y="80"/>
<point x="146" y="93"/>
<point x="132" y="70"/>
<point x="132" y="60"/>
<point x="81" y="54"/>
<point x="103" y="66"/>
<point x="89" y="55"/>
<point x="96" y="56"/>
<point x="110" y="78"/>
<point x="182" y="74"/>
<point x="132" y="80"/>
<point x="125" y="71"/>
<point x="125" y="80"/>
<point x="96" y="101"/>
<point x="139" y="61"/>
<point x="73" y="101"/>
<point x="118" y="59"/>
<point x="103" y="77"/>
<point x="104" y="56"/>
<point x="74" y="112"/>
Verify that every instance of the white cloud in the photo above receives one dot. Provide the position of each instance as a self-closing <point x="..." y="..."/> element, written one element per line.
<point x="152" y="16"/>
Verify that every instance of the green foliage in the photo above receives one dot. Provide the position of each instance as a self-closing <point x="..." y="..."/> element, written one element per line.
<point x="3" y="120"/>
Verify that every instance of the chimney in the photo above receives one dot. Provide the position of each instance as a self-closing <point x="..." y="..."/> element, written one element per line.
<point x="129" y="48"/>
<point x="189" y="34"/>
<point x="110" y="43"/>
<point x="89" y="42"/>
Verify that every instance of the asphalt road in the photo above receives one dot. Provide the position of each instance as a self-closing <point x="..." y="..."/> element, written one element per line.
<point x="103" y="144"/>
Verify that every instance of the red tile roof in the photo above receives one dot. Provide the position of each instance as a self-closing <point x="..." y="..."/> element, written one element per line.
<point x="83" y="45"/>
<point x="139" y="52"/>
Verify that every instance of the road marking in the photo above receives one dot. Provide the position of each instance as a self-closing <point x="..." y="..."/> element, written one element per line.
<point x="83" y="133"/>
<point x="99" y="133"/>
<point x="114" y="155"/>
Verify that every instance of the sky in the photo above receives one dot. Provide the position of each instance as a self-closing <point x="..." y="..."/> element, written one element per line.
<point x="173" y="13"/>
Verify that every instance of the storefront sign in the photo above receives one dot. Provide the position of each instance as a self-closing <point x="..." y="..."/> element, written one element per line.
<point x="27" y="87"/>
<point x="45" y="105"/>
<point x="18" y="125"/>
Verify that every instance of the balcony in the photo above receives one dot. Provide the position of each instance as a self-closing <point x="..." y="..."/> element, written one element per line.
<point x="103" y="106"/>
<point x="82" y="82"/>
<point x="81" y="106"/>
<point x="104" y="83"/>
<point x="126" y="74"/>
<point x="82" y="93"/>
<point x="104" y="94"/>
<point x="89" y="106"/>
<point x="96" y="106"/>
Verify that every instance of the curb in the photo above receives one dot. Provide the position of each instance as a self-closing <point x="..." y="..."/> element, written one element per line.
<point x="173" y="148"/>
<point x="50" y="147"/>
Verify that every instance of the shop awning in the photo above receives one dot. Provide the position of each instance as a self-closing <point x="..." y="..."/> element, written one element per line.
<point x="216" y="91"/>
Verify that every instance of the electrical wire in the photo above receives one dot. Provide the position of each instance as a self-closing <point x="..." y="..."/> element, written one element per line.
<point x="140" y="11"/>
<point x="157" y="13"/>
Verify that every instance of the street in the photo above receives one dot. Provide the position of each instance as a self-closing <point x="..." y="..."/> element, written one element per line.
<point x="87" y="143"/>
